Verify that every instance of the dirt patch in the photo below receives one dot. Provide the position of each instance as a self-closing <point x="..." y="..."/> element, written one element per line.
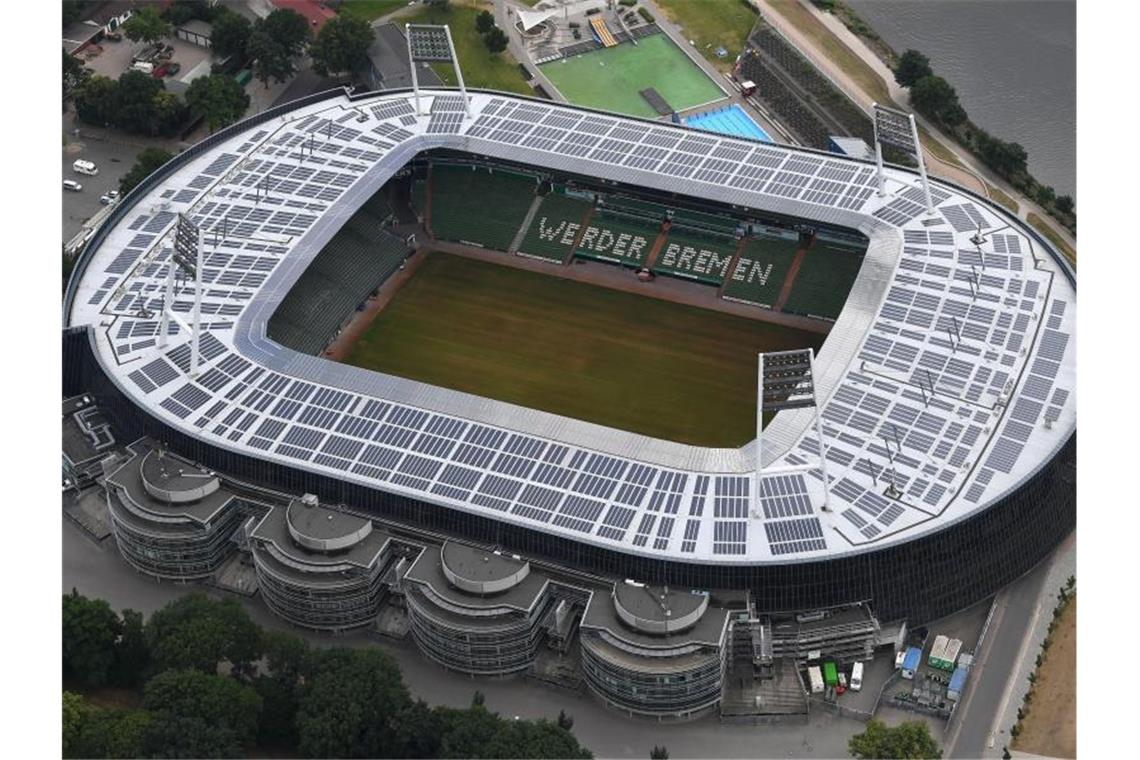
<point x="1050" y="725"/>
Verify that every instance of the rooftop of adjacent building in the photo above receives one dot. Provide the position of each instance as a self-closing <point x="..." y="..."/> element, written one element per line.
<point x="148" y="462"/>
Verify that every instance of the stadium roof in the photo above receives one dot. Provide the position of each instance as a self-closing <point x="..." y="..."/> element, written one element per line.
<point x="948" y="374"/>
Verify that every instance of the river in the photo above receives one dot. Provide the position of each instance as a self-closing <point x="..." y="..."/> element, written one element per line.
<point x="1013" y="63"/>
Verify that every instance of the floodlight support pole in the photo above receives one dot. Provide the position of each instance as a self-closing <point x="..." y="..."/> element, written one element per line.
<point x="880" y="180"/>
<point x="197" y="334"/>
<point x="412" y="66"/>
<point x="819" y="435"/>
<point x="164" y="323"/>
<point x="759" y="424"/>
<point x="458" y="71"/>
<point x="921" y="165"/>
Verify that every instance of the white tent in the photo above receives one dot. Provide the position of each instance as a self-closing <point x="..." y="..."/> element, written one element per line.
<point x="531" y="19"/>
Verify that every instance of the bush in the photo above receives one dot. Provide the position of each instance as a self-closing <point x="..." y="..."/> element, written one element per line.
<point x="627" y="3"/>
<point x="645" y="14"/>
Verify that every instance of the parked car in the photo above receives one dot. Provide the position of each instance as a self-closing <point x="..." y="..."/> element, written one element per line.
<point x="113" y="36"/>
<point x="159" y="71"/>
<point x="109" y="197"/>
<point x="173" y="68"/>
<point x="72" y="185"/>
<point x="85" y="167"/>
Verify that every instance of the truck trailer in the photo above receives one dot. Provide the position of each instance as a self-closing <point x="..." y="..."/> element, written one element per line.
<point x="911" y="662"/>
<point x="957" y="683"/>
<point x="830" y="674"/>
<point x="815" y="679"/>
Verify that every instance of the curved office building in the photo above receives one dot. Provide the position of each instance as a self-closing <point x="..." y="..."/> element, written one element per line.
<point x="320" y="568"/>
<point x="170" y="519"/>
<point x="654" y="651"/>
<point x="476" y="611"/>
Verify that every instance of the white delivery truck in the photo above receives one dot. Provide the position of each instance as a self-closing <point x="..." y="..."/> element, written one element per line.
<point x="85" y="167"/>
<point x="856" y="676"/>
<point x="816" y="679"/>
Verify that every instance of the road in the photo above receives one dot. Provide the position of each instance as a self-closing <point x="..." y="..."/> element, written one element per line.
<point x="96" y="570"/>
<point x="974" y="169"/>
<point x="1006" y="645"/>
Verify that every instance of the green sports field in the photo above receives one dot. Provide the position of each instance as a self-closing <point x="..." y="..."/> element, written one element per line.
<point x="618" y="359"/>
<point x="612" y="78"/>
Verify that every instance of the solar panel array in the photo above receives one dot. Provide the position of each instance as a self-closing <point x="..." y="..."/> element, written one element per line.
<point x="934" y="406"/>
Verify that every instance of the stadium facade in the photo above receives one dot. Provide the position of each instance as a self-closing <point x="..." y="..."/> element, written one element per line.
<point x="945" y="391"/>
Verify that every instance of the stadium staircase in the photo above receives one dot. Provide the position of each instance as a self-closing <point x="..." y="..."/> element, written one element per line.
<point x="790" y="280"/>
<point x="740" y="244"/>
<point x="339" y="279"/>
<point x="757" y="686"/>
<point x="527" y="221"/>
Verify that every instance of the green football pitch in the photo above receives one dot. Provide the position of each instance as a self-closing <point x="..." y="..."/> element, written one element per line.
<point x="615" y="358"/>
<point x="612" y="78"/>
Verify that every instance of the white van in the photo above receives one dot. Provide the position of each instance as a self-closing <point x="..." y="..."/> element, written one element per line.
<point x="856" y="676"/>
<point x="85" y="167"/>
<point x="145" y="67"/>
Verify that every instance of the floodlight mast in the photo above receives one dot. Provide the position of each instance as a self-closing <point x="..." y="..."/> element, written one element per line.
<point x="792" y="378"/>
<point x="819" y="435"/>
<point x="412" y="66"/>
<point x="197" y="334"/>
<point x="458" y="71"/>
<point x="899" y="130"/>
<point x="880" y="180"/>
<point x="921" y="165"/>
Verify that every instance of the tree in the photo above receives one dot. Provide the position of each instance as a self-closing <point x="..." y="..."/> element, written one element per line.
<point x="176" y="736"/>
<point x="132" y="658"/>
<point x="169" y="113"/>
<point x="477" y="732"/>
<point x="935" y="97"/>
<point x="148" y="161"/>
<point x="75" y="714"/>
<point x="230" y="33"/>
<point x="114" y="733"/>
<point x="565" y="721"/>
<point x="134" y="102"/>
<point x="1006" y="158"/>
<point x="912" y="66"/>
<point x="95" y="101"/>
<point x="217" y="98"/>
<point x="288" y="661"/>
<point x="351" y="706"/>
<point x="495" y="40"/>
<point x="197" y="632"/>
<point x="73" y="10"/>
<point x="484" y="22"/>
<point x="911" y="740"/>
<point x="181" y="11"/>
<point x="1046" y="195"/>
<point x="418" y="730"/>
<point x="659" y="753"/>
<point x="74" y="73"/>
<point x="218" y="701"/>
<point x="146" y="25"/>
<point x="1065" y="205"/>
<point x="342" y="46"/>
<point x="90" y="629"/>
<point x="275" y="42"/>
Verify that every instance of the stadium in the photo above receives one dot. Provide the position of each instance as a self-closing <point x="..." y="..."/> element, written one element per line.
<point x="935" y="464"/>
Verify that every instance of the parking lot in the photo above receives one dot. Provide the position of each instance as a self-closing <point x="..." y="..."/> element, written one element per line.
<point x="113" y="160"/>
<point x="111" y="59"/>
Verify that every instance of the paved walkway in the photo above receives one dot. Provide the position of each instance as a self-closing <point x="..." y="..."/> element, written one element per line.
<point x="1021" y="616"/>
<point x="972" y="170"/>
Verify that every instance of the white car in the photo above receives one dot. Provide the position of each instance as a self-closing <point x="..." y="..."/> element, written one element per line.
<point x="72" y="185"/>
<point x="109" y="197"/>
